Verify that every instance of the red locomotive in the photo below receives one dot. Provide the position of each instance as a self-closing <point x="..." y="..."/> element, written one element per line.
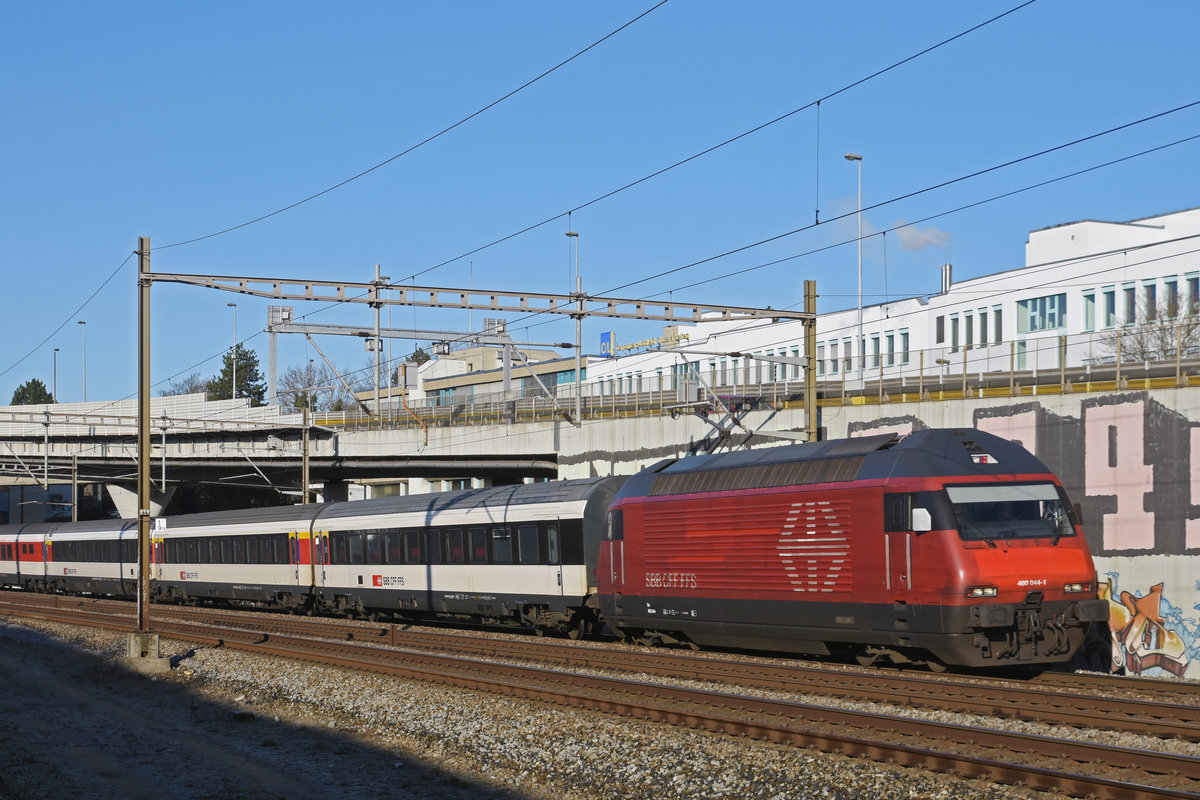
<point x="954" y="544"/>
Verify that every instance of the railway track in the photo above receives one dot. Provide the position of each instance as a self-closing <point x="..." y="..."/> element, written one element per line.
<point x="1170" y="709"/>
<point x="1075" y="767"/>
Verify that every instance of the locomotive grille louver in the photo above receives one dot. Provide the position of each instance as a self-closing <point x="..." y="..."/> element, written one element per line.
<point x="796" y="473"/>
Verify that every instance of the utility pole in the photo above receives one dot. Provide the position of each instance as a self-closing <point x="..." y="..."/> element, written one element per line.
<point x="811" y="423"/>
<point x="143" y="439"/>
<point x="143" y="653"/>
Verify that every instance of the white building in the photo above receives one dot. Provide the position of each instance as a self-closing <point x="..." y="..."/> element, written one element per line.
<point x="1081" y="284"/>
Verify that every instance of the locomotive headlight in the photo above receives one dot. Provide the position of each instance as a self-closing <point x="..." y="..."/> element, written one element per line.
<point x="1077" y="588"/>
<point x="981" y="591"/>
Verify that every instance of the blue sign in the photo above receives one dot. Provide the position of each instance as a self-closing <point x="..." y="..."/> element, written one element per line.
<point x="608" y="341"/>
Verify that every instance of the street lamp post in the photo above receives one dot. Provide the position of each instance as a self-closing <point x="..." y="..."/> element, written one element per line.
<point x="862" y="346"/>
<point x="233" y="358"/>
<point x="84" y="329"/>
<point x="54" y="390"/>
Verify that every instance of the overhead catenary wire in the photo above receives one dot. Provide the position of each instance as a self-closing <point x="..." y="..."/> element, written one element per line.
<point x="756" y="129"/>
<point x="424" y="141"/>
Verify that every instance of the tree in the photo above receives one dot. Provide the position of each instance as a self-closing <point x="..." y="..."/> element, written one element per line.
<point x="1161" y="333"/>
<point x="419" y="355"/>
<point x="189" y="384"/>
<point x="249" y="380"/>
<point x="31" y="392"/>
<point x="313" y="386"/>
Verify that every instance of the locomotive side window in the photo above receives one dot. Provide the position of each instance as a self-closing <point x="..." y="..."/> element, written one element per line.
<point x="616" y="524"/>
<point x="501" y="546"/>
<point x="1010" y="511"/>
<point x="898" y="510"/>
<point x="528" y="551"/>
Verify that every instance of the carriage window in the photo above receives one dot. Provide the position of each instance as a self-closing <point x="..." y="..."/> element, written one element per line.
<point x="478" y="545"/>
<point x="501" y="546"/>
<point x="375" y="548"/>
<point x="435" y="547"/>
<point x="189" y="551"/>
<point x="239" y="550"/>
<point x="226" y="551"/>
<point x="355" y="540"/>
<point x="394" y="554"/>
<point x="252" y="550"/>
<point x="552" y="541"/>
<point x="454" y="546"/>
<point x="527" y="540"/>
<point x="412" y="547"/>
<point x="339" y="555"/>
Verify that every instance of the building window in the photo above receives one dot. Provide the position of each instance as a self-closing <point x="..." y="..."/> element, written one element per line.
<point x="983" y="328"/>
<point x="848" y="366"/>
<point x="998" y="322"/>
<point x="1110" y="308"/>
<point x="1021" y="355"/>
<point x="969" y="326"/>
<point x="1042" y="313"/>
<point x="954" y="333"/>
<point x="1151" y="294"/>
<point x="1089" y="311"/>
<point x="1193" y="294"/>
<point x="833" y="357"/>
<point x="875" y="350"/>
<point x="1130" y="305"/>
<point x="891" y="349"/>
<point x="940" y="330"/>
<point x="1172" y="293"/>
<point x="903" y="347"/>
<point x="821" y="359"/>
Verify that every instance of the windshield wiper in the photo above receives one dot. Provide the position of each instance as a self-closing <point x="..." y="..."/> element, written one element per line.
<point x="978" y="532"/>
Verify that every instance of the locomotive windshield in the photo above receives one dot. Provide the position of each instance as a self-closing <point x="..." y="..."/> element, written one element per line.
<point x="1010" y="511"/>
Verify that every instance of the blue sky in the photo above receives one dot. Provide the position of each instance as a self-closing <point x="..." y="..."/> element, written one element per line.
<point x="177" y="121"/>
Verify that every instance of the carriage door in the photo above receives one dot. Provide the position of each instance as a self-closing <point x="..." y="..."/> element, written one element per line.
<point x="614" y="548"/>
<point x="897" y="543"/>
<point x="899" y="563"/>
<point x="554" y="557"/>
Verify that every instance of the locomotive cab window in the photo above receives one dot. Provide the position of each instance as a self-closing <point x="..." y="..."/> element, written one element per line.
<point x="986" y="512"/>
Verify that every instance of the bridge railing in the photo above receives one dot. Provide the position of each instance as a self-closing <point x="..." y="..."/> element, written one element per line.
<point x="1163" y="355"/>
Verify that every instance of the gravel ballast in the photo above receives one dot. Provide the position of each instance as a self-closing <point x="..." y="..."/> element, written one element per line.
<point x="227" y="724"/>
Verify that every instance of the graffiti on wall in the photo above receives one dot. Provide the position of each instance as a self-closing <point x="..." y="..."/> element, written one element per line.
<point x="1148" y="633"/>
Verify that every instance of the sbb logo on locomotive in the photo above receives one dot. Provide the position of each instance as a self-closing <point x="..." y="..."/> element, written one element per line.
<point x="671" y="580"/>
